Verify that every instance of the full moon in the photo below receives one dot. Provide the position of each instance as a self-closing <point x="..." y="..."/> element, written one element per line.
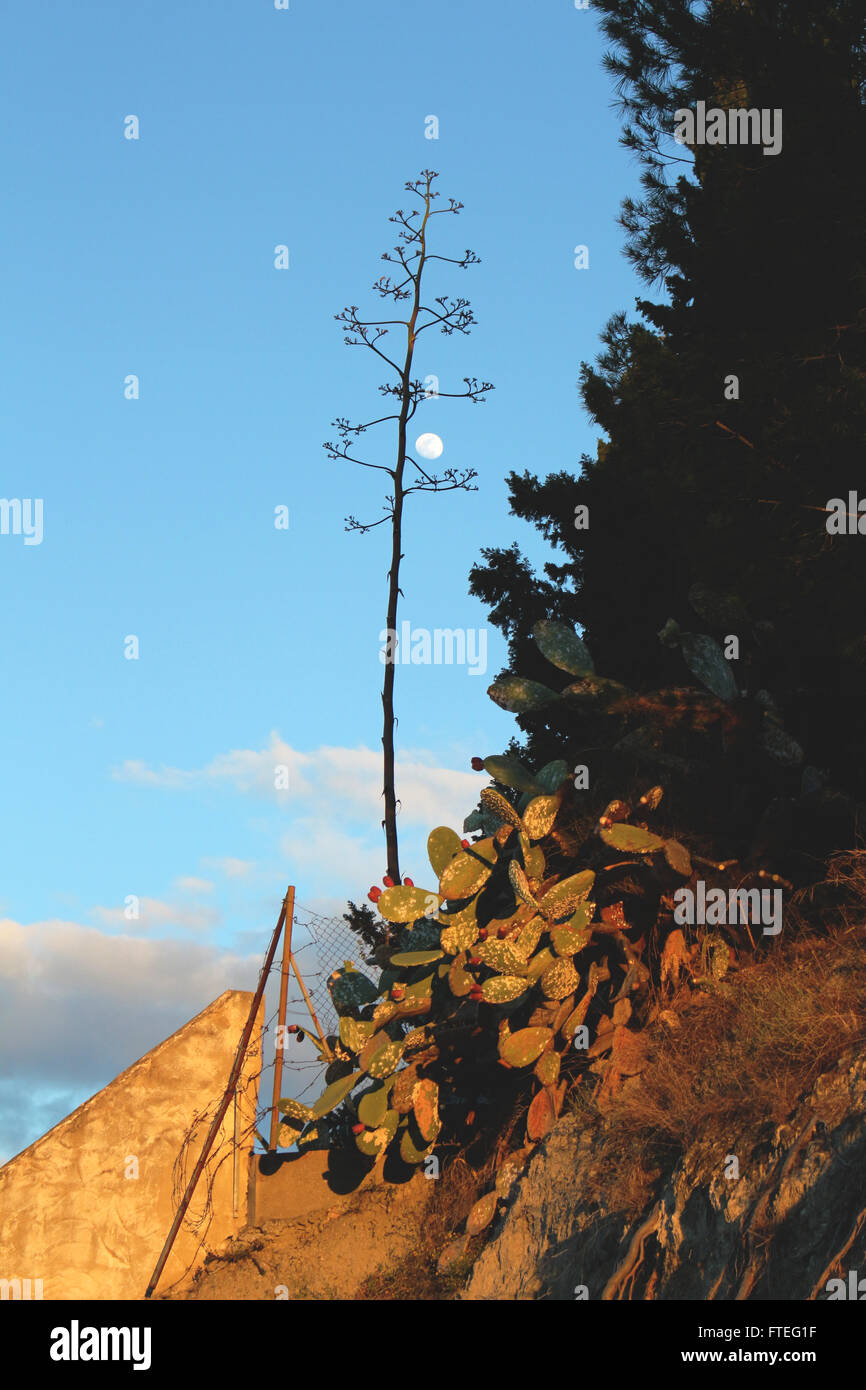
<point x="429" y="446"/>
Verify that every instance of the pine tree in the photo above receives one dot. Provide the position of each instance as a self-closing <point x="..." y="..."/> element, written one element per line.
<point x="707" y="498"/>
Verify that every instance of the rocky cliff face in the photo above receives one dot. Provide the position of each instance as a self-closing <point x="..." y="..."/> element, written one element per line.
<point x="783" y="1215"/>
<point x="790" y="1222"/>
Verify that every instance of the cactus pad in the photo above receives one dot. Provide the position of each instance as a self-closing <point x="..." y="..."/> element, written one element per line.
<point x="594" y="692"/>
<point x="442" y="845"/>
<point x="577" y="1016"/>
<point x="383" y="1013"/>
<point x="376" y="1141"/>
<point x="351" y="990"/>
<point x="539" y="816"/>
<point x="534" y="863"/>
<point x="526" y="938"/>
<point x="482" y="1213"/>
<point x="652" y="798"/>
<point x="678" y="857"/>
<point x="541" y="961"/>
<point x="407" y="958"/>
<point x="425" y="1107"/>
<point x="498" y="806"/>
<point x="500" y="955"/>
<point x="501" y="989"/>
<point x="422" y="935"/>
<point x="296" y="1110"/>
<point x="460" y="981"/>
<point x="631" y="839"/>
<point x="354" y="1034"/>
<point x="560" y="980"/>
<point x="547" y="1068"/>
<point x="562" y="647"/>
<point x="524" y="1047"/>
<point x="402" y="904"/>
<point x="578" y="886"/>
<point x="520" y="884"/>
<point x="510" y="1171"/>
<point x="380" y="1055"/>
<point x="373" y="1106"/>
<point x="403" y="1089"/>
<point x="552" y="775"/>
<point x="518" y="696"/>
<point x="542" y="1115"/>
<point x="511" y="773"/>
<point x="462" y="876"/>
<point x="334" y="1094"/>
<point x="567" y="941"/>
<point x="706" y="660"/>
<point x="459" y="937"/>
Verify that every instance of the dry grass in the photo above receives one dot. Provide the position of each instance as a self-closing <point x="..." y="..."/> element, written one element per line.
<point x="416" y="1276"/>
<point x="743" y="1057"/>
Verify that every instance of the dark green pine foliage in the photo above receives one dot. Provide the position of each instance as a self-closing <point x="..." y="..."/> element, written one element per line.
<point x="761" y="260"/>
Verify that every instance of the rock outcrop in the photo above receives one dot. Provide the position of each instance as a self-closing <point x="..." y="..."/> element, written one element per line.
<point x="793" y="1219"/>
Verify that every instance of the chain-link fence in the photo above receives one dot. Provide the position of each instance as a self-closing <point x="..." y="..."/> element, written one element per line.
<point x="320" y="945"/>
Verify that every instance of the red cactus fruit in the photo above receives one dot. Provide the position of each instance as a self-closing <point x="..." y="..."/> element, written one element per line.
<point x="478" y="764"/>
<point x="358" y="1129"/>
<point x="465" y="844"/>
<point x="374" y="894"/>
<point x="388" y="881"/>
<point x="483" y="934"/>
<point x="474" y="960"/>
<point x="408" y="882"/>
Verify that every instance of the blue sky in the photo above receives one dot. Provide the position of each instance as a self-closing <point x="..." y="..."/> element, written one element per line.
<point x="257" y="647"/>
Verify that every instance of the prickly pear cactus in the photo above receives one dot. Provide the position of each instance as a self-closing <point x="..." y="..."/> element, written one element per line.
<point x="519" y="954"/>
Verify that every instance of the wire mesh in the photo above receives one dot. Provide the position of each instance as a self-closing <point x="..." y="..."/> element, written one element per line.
<point x="320" y="945"/>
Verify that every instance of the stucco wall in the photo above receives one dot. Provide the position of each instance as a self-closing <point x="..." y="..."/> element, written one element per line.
<point x="73" y="1212"/>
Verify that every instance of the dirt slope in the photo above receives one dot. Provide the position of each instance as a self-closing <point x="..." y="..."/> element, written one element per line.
<point x="325" y="1255"/>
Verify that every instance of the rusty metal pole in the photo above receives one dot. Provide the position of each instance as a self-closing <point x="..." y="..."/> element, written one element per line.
<point x="223" y="1105"/>
<point x="317" y="1025"/>
<point x="281" y="1017"/>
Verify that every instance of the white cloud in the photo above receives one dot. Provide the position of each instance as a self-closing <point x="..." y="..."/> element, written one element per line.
<point x="245" y="769"/>
<point x="153" y="912"/>
<point x="328" y="779"/>
<point x="190" y="884"/>
<point x="429" y="795"/>
<point x="66" y="976"/>
<point x="333" y="842"/>
<point x="14" y="952"/>
<point x="78" y="1005"/>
